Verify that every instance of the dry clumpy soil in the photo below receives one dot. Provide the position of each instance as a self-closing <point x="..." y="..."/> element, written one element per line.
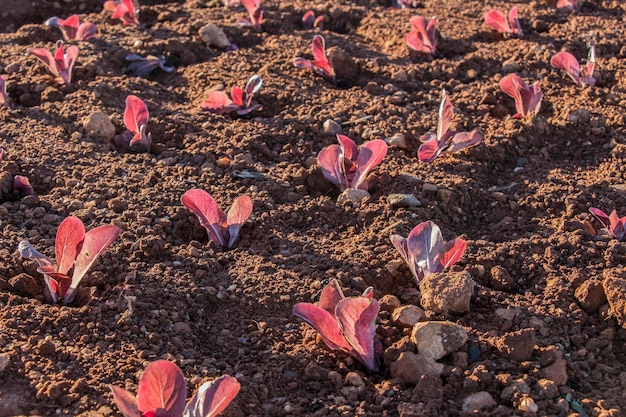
<point x="540" y="326"/>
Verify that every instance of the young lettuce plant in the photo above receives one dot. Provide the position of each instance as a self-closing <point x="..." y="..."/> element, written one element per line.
<point x="346" y="323"/>
<point x="569" y="5"/>
<point x="425" y="251"/>
<point x="142" y="67"/>
<point x="309" y="21"/>
<point x="568" y="63"/>
<point x="162" y="392"/>
<point x="222" y="229"/>
<point x="72" y="30"/>
<point x="217" y="102"/>
<point x="255" y="12"/>
<point x="135" y="119"/>
<point x="422" y="36"/>
<point x="613" y="224"/>
<point x="347" y="166"/>
<point x="320" y="63"/>
<point x="4" y="97"/>
<point x="61" y="64"/>
<point x="73" y="249"/>
<point x="446" y="140"/>
<point x="527" y="99"/>
<point x="497" y="21"/>
<point x="125" y="10"/>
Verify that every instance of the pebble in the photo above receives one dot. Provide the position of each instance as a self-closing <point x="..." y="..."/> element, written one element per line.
<point x="510" y="66"/>
<point x="407" y="316"/>
<point x="590" y="295"/>
<point x="446" y="293"/>
<point x="213" y="35"/>
<point x="615" y="289"/>
<point x="436" y="339"/>
<point x="517" y="346"/>
<point x="354" y="379"/>
<point x="478" y="401"/>
<point x="547" y="388"/>
<point x="557" y="372"/>
<point x="182" y="327"/>
<point x="99" y="126"/>
<point x="4" y="362"/>
<point x="398" y="140"/>
<point x="389" y="302"/>
<point x="403" y="200"/>
<point x="579" y="116"/>
<point x="516" y="387"/>
<point x="400" y="76"/>
<point x="332" y="127"/>
<point x="25" y="285"/>
<point x="527" y="404"/>
<point x="429" y="188"/>
<point x="353" y="195"/>
<point x="410" y="367"/>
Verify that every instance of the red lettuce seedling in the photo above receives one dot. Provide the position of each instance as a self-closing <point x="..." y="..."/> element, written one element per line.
<point x="569" y="5"/>
<point x="135" y="119"/>
<point x="125" y="10"/>
<point x="162" y="392"/>
<point x="425" y="251"/>
<point x="422" y="37"/>
<point x="346" y="323"/>
<point x="527" y="99"/>
<point x="71" y="28"/>
<point x="320" y="64"/>
<point x="217" y="102"/>
<point x="309" y="21"/>
<point x="497" y="21"/>
<point x="446" y="140"/>
<point x="255" y="12"/>
<point x="347" y="166"/>
<point x="222" y="229"/>
<point x="73" y="248"/>
<point x="61" y="64"/>
<point x="568" y="63"/>
<point x="4" y="97"/>
<point x="142" y="67"/>
<point x="614" y="225"/>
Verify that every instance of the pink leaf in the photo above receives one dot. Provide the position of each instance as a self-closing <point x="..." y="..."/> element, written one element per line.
<point x="236" y="94"/>
<point x="68" y="242"/>
<point x="527" y="99"/>
<point x="568" y="5"/>
<point x="46" y="57"/>
<point x="162" y="387"/>
<point x="125" y="401"/>
<point x="324" y="323"/>
<point x="602" y="216"/>
<point x="370" y="155"/>
<point x="446" y="111"/>
<point x="463" y="140"/>
<point x="237" y="216"/>
<point x="252" y="86"/>
<point x="21" y="184"/>
<point x="320" y="59"/>
<point x="349" y="148"/>
<point x="496" y="20"/>
<point x="356" y="317"/>
<point x="211" y="217"/>
<point x="401" y="244"/>
<point x="136" y="114"/>
<point x="86" y="30"/>
<point x="308" y="20"/>
<point x="516" y="28"/>
<point x="254" y="11"/>
<point x="454" y="250"/>
<point x="430" y="148"/>
<point x="217" y="102"/>
<point x="329" y="161"/>
<point x="331" y="295"/>
<point x="568" y="63"/>
<point x="212" y="397"/>
<point x="422" y="37"/>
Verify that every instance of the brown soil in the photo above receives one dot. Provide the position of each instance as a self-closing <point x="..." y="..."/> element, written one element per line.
<point x="162" y="290"/>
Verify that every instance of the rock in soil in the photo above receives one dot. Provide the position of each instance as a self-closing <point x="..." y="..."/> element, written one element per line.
<point x="410" y="367"/>
<point x="518" y="345"/>
<point x="615" y="288"/>
<point x="436" y="339"/>
<point x="447" y="292"/>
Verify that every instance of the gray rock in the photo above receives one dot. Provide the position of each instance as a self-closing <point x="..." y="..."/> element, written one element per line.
<point x="398" y="140"/>
<point x="213" y="35"/>
<point x="510" y="66"/>
<point x="478" y="401"/>
<point x="354" y="195"/>
<point x="429" y="188"/>
<point x="446" y="292"/>
<point x="436" y="339"/>
<point x="330" y="126"/>
<point x="407" y="316"/>
<point x="389" y="302"/>
<point x="410" y="367"/>
<point x="403" y="200"/>
<point x="99" y="126"/>
<point x="354" y="379"/>
<point x="11" y="404"/>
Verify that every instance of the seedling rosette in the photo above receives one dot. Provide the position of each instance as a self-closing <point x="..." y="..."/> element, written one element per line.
<point x="309" y="21"/>
<point x="568" y="63"/>
<point x="497" y="21"/>
<point x="613" y="224"/>
<point x="255" y="13"/>
<point x="527" y="98"/>
<point x="347" y="166"/>
<point x="142" y="67"/>
<point x="125" y="10"/>
<point x="222" y="228"/>
<point x="422" y="37"/>
<point x="320" y="64"/>
<point x="136" y="117"/>
<point x="446" y="140"/>
<point x="72" y="29"/>
<point x="425" y="251"/>
<point x="61" y="64"/>
<point x="73" y="249"/>
<point x="162" y="392"/>
<point x="217" y="102"/>
<point x="345" y="323"/>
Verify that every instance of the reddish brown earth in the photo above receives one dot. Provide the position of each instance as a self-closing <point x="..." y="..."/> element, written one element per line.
<point x="539" y="325"/>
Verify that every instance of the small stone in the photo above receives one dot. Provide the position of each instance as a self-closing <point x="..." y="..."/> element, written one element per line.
<point x="398" y="140"/>
<point x="478" y="401"/>
<point x="407" y="316"/>
<point x="517" y="387"/>
<point x="527" y="404"/>
<point x="447" y="292"/>
<point x="223" y="162"/>
<point x="400" y="76"/>
<point x="501" y="280"/>
<point x="436" y="339"/>
<point x="506" y="313"/>
<point x="510" y="66"/>
<point x="4" y="362"/>
<point x="99" y="126"/>
<point x="540" y="25"/>
<point x="518" y="345"/>
<point x="471" y="74"/>
<point x="429" y="188"/>
<point x="12" y="68"/>
<point x="354" y="379"/>
<point x="615" y="289"/>
<point x="590" y="295"/>
<point x="353" y="195"/>
<point x="446" y="196"/>
<point x="403" y="200"/>
<point x="579" y="116"/>
<point x="182" y="327"/>
<point x="410" y="367"/>
<point x="332" y="127"/>
<point x="557" y="372"/>
<point x="25" y="285"/>
<point x="547" y="388"/>
<point x="213" y="35"/>
<point x="389" y="302"/>
<point x="345" y="67"/>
